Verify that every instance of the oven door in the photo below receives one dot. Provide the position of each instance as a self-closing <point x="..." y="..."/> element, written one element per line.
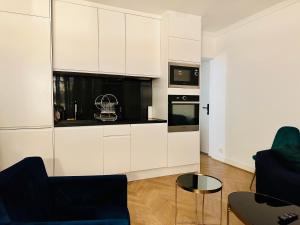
<point x="183" y="116"/>
<point x="183" y="76"/>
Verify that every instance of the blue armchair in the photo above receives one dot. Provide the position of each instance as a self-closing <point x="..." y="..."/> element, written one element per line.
<point x="29" y="197"/>
<point x="275" y="178"/>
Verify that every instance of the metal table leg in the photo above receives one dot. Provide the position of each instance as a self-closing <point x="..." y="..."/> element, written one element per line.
<point x="203" y="195"/>
<point x="196" y="212"/>
<point x="221" y="213"/>
<point x="175" y="204"/>
<point x="228" y="212"/>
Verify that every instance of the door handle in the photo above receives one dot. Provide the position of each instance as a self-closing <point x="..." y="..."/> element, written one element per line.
<point x="207" y="109"/>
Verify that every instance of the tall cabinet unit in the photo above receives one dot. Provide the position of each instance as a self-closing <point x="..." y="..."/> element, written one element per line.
<point x="25" y="87"/>
<point x="181" y="43"/>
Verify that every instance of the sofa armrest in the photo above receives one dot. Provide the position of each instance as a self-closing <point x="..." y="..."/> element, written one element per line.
<point x="4" y="218"/>
<point x="89" y="190"/>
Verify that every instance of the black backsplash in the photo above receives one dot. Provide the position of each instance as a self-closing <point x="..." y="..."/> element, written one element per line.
<point x="134" y="95"/>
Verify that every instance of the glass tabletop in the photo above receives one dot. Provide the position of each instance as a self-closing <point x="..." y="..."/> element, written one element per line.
<point x="256" y="209"/>
<point x="199" y="183"/>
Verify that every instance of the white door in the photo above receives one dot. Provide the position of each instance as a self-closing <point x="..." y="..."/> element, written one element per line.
<point x="75" y="37"/>
<point x="184" y="50"/>
<point x="25" y="77"/>
<point x="183" y="148"/>
<point x="111" y="42"/>
<point x="204" y="103"/>
<point x="148" y="146"/>
<point x="78" y="151"/>
<point x="28" y="7"/>
<point x="15" y="145"/>
<point x="142" y="46"/>
<point x="116" y="154"/>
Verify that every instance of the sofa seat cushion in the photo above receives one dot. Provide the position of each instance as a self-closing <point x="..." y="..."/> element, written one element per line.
<point x="115" y="214"/>
<point x="290" y="156"/>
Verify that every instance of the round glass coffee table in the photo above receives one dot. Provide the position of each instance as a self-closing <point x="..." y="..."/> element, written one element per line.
<point x="198" y="184"/>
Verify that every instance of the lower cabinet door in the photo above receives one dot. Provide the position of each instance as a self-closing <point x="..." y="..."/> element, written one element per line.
<point x="116" y="154"/>
<point x="148" y="146"/>
<point x="78" y="151"/>
<point x="183" y="148"/>
<point x="15" y="145"/>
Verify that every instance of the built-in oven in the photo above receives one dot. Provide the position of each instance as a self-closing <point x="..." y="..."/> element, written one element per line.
<point x="183" y="75"/>
<point x="183" y="113"/>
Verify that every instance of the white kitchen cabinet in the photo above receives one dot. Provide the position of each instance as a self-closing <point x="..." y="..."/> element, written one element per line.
<point x="184" y="50"/>
<point x="18" y="144"/>
<point x="111" y="41"/>
<point x="25" y="65"/>
<point x="142" y="46"/>
<point x="148" y="146"/>
<point x="116" y="154"/>
<point x="78" y="151"/>
<point x="185" y="26"/>
<point x="28" y="7"/>
<point x="183" y="148"/>
<point x="75" y="37"/>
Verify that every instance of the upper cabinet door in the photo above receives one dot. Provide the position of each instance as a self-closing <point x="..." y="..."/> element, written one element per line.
<point x="28" y="7"/>
<point x="25" y="65"/>
<point x="142" y="46"/>
<point x="184" y="50"/>
<point x="111" y="41"/>
<point x="183" y="25"/>
<point x="75" y="37"/>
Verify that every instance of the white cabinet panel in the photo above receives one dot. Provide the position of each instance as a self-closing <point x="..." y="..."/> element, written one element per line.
<point x="184" y="50"/>
<point x="75" y="37"/>
<point x="78" y="151"/>
<point x="142" y="46"/>
<point x="116" y="154"/>
<point x="148" y="146"/>
<point x="184" y="25"/>
<point x="29" y="7"/>
<point x="111" y="41"/>
<point x="183" y="148"/>
<point x="116" y="130"/>
<point x="18" y="144"/>
<point x="25" y="87"/>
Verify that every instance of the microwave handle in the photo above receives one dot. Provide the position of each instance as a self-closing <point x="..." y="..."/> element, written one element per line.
<point x="186" y="103"/>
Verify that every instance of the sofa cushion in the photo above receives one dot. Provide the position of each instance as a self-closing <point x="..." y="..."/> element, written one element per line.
<point x="113" y="213"/>
<point x="290" y="156"/>
<point x="24" y="191"/>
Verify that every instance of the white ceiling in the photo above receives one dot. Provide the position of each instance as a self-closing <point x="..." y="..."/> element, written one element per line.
<point x="217" y="14"/>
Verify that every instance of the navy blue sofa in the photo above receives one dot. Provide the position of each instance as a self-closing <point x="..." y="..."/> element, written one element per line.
<point x="29" y="197"/>
<point x="274" y="178"/>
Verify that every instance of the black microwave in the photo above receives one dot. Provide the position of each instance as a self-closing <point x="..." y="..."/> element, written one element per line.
<point x="183" y="76"/>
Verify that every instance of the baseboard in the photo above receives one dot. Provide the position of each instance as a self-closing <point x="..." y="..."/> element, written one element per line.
<point x="234" y="163"/>
<point x="140" y="175"/>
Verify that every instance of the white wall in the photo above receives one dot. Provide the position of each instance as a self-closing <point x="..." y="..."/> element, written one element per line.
<point x="255" y="85"/>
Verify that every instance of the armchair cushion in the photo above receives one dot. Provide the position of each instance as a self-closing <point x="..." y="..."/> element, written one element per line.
<point x="290" y="156"/>
<point x="274" y="178"/>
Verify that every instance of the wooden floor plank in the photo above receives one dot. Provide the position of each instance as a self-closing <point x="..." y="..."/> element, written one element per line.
<point x="151" y="201"/>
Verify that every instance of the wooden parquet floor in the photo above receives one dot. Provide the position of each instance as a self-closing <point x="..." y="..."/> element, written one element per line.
<point x="151" y="201"/>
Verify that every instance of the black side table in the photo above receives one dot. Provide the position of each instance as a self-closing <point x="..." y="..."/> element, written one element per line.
<point x="198" y="184"/>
